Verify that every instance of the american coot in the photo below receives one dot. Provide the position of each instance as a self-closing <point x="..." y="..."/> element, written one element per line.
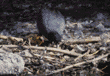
<point x="51" y="24"/>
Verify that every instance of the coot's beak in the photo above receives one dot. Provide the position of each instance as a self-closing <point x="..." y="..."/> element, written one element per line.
<point x="43" y="38"/>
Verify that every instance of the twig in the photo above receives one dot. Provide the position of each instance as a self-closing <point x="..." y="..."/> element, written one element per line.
<point x="87" y="40"/>
<point x="12" y="38"/>
<point x="82" y="55"/>
<point x="97" y="69"/>
<point x="7" y="49"/>
<point x="78" y="64"/>
<point x="104" y="67"/>
<point x="28" y="69"/>
<point x="24" y="43"/>
<point x="48" y="48"/>
<point x="47" y="57"/>
<point x="93" y="53"/>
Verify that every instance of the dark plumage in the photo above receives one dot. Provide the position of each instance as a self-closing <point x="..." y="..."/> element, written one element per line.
<point x="51" y="24"/>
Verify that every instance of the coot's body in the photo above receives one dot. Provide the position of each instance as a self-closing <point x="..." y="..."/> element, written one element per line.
<point x="51" y="24"/>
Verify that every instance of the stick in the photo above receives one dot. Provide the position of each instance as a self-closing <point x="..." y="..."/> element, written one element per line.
<point x="78" y="64"/>
<point x="12" y="38"/>
<point x="48" y="48"/>
<point x="87" y="40"/>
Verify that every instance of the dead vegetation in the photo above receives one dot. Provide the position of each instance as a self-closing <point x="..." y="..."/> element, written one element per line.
<point x="54" y="59"/>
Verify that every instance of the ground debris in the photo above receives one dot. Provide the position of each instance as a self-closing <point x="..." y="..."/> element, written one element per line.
<point x="53" y="60"/>
<point x="84" y="52"/>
